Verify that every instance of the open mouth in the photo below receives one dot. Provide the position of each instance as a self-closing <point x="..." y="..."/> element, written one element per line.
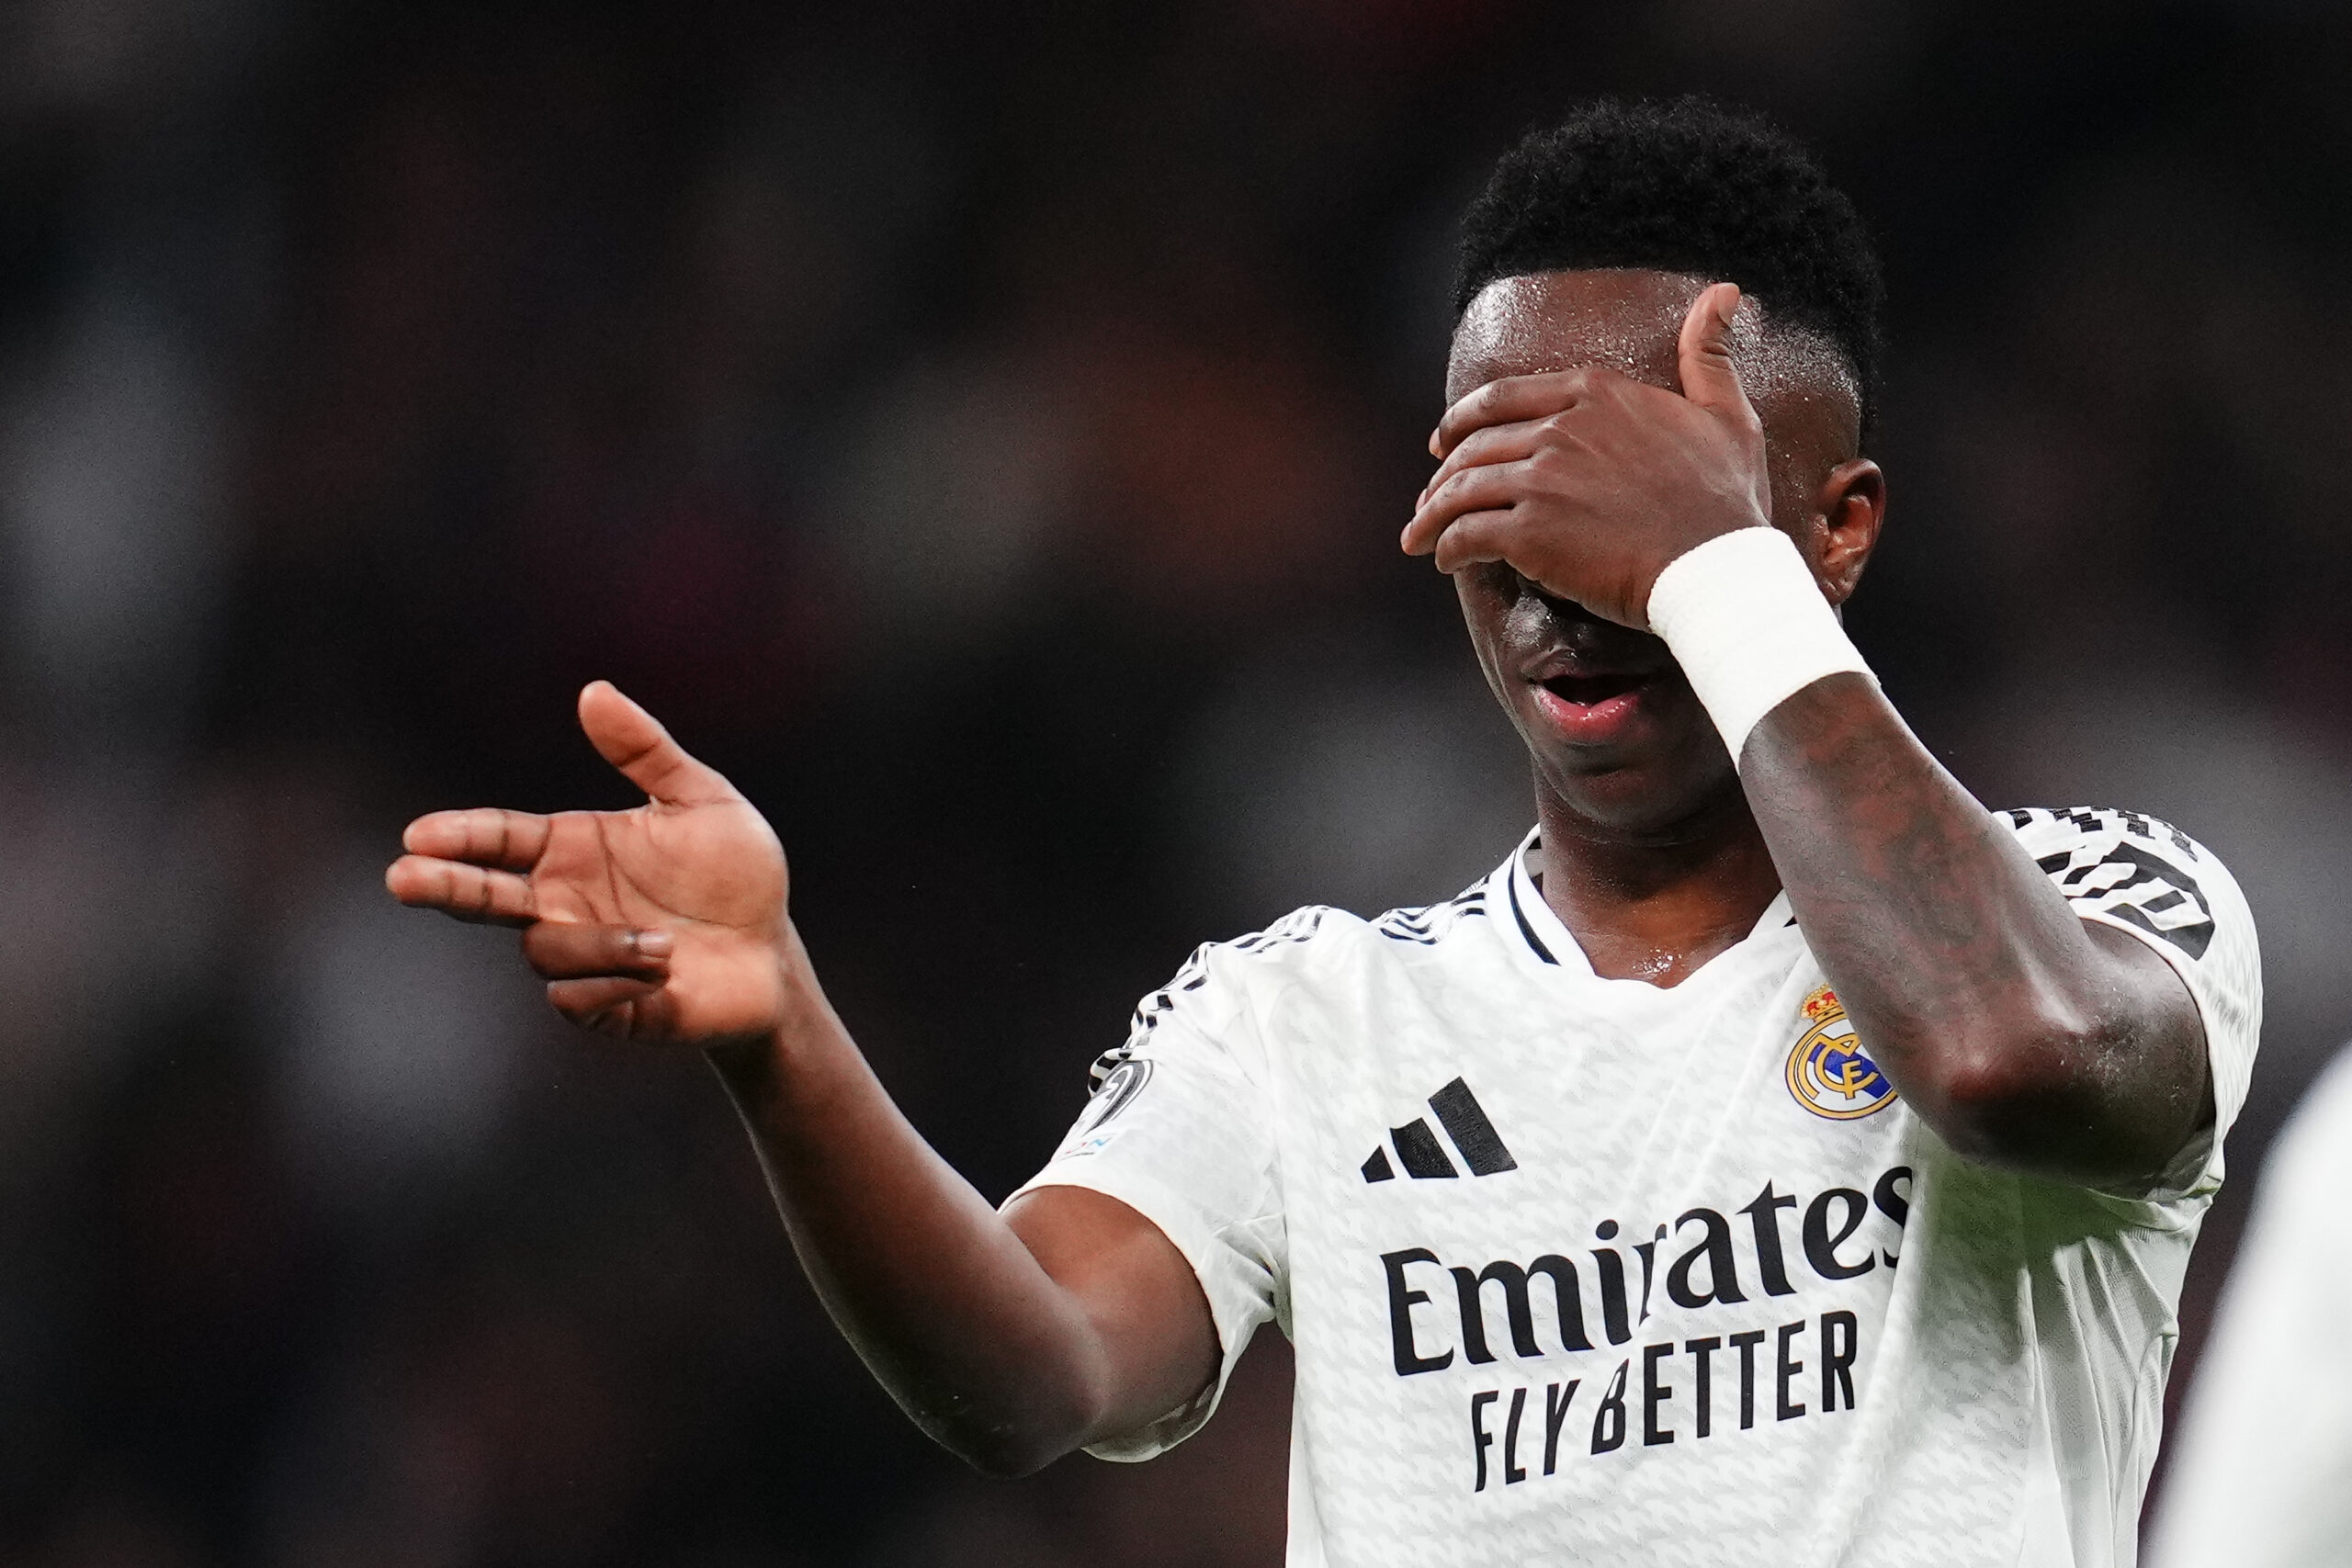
<point x="1596" y="709"/>
<point x="1590" y="690"/>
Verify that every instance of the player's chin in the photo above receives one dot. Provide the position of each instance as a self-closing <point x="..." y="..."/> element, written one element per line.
<point x="1644" y="769"/>
<point x="1653" y="801"/>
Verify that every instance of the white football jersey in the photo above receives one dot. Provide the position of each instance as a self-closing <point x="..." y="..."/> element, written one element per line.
<point x="2258" y="1475"/>
<point x="1586" y="1270"/>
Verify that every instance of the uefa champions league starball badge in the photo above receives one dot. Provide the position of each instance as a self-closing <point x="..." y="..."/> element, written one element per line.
<point x="1828" y="1074"/>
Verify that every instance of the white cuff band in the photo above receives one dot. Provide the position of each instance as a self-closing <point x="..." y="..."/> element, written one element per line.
<point x="1747" y="621"/>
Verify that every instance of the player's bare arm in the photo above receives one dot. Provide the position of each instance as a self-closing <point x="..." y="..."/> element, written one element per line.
<point x="1011" y="1339"/>
<point x="2024" y="1036"/>
<point x="2027" y="1037"/>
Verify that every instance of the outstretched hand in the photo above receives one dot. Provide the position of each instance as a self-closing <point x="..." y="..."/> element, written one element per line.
<point x="663" y="922"/>
<point x="1588" y="482"/>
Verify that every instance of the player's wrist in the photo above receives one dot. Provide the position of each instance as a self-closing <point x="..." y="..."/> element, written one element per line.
<point x="1747" y="623"/>
<point x="799" y="1019"/>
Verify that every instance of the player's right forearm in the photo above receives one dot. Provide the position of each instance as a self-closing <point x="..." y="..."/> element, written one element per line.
<point x="2025" y="1038"/>
<point x="940" y="1298"/>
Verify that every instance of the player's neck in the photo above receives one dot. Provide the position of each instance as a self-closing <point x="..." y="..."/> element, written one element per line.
<point x="1658" y="909"/>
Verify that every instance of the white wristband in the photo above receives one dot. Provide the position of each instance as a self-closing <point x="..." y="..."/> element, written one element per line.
<point x="1747" y="621"/>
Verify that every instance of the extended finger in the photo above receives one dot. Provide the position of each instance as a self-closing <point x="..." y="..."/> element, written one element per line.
<point x="1507" y="401"/>
<point x="510" y="841"/>
<point x="1495" y="443"/>
<point x="632" y="740"/>
<point x="464" y="892"/>
<point x="562" y="950"/>
<point x="1480" y="536"/>
<point x="1703" y="350"/>
<point x="606" y="1004"/>
<point x="1494" y="487"/>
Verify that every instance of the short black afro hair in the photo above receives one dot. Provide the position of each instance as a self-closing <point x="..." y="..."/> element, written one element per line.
<point x="1687" y="186"/>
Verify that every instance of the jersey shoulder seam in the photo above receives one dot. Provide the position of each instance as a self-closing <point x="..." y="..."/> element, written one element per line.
<point x="1286" y="937"/>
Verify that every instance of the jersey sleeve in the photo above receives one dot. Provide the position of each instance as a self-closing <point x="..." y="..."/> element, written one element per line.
<point x="2139" y="874"/>
<point x="1178" y="1128"/>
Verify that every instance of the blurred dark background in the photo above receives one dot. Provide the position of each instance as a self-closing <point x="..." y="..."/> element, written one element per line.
<point x="982" y="431"/>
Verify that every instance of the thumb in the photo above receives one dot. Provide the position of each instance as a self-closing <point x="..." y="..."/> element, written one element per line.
<point x="1709" y="378"/>
<point x="632" y="740"/>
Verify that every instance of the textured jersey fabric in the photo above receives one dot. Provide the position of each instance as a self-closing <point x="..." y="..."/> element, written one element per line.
<point x="1588" y="1270"/>
<point x="2262" y="1471"/>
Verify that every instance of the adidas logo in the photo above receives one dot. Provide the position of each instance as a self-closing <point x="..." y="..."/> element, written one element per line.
<point x="1423" y="1156"/>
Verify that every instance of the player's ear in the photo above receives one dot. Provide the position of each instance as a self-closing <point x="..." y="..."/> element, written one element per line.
<point x="1849" y="509"/>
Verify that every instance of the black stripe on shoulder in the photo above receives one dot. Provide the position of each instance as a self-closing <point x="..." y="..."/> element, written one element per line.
<point x="1106" y="1061"/>
<point x="1297" y="927"/>
<point x="1425" y="925"/>
<point x="2094" y="820"/>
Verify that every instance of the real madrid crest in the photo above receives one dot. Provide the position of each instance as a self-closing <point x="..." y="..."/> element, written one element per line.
<point x="1827" y="1072"/>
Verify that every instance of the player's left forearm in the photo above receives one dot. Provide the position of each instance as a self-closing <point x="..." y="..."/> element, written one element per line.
<point x="2024" y="1038"/>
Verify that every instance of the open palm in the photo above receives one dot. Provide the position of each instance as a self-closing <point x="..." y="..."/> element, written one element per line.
<point x="662" y="922"/>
